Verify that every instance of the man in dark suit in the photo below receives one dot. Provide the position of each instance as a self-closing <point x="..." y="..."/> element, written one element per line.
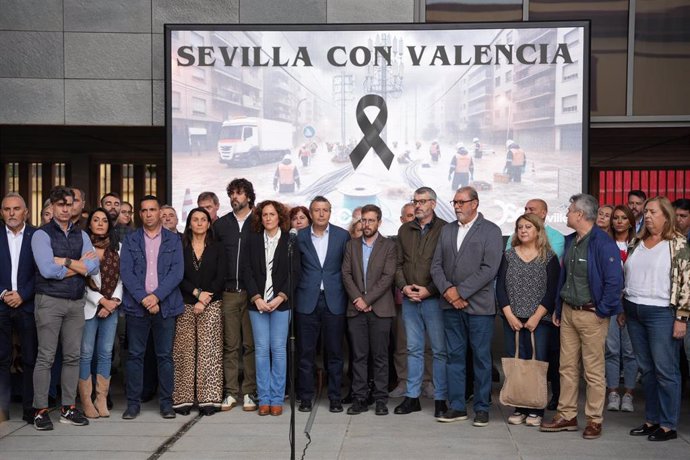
<point x="321" y="302"/>
<point x="464" y="266"/>
<point x="17" y="278"/>
<point x="369" y="268"/>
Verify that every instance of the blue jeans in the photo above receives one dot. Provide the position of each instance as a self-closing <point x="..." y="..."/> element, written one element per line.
<point x="458" y="327"/>
<point x="270" y="339"/>
<point x="618" y="344"/>
<point x="658" y="355"/>
<point x="542" y="334"/>
<point x="101" y="330"/>
<point x="419" y="317"/>
<point x="137" y="335"/>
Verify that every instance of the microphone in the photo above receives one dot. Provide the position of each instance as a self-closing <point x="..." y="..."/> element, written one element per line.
<point x="292" y="238"/>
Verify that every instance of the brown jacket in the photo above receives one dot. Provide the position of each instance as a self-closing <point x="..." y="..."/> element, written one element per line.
<point x="380" y="274"/>
<point x="415" y="253"/>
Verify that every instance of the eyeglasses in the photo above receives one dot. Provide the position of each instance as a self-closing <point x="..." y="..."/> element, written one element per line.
<point x="461" y="202"/>
<point x="422" y="202"/>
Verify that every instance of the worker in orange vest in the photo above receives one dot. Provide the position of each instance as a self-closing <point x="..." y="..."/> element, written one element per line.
<point x="286" y="177"/>
<point x="515" y="161"/>
<point x="461" y="168"/>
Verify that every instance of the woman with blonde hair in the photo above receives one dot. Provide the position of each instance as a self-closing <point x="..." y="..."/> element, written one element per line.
<point x="657" y="308"/>
<point x="526" y="291"/>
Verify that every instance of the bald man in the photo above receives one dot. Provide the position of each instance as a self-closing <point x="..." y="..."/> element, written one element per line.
<point x="539" y="208"/>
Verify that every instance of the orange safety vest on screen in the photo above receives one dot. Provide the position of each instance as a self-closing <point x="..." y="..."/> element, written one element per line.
<point x="286" y="174"/>
<point x="462" y="163"/>
<point x="518" y="157"/>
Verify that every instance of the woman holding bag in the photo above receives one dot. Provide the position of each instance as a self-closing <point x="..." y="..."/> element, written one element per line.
<point x="526" y="289"/>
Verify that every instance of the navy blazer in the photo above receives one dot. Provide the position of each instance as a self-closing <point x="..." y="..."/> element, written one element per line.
<point x="170" y="273"/>
<point x="26" y="274"/>
<point x="307" y="294"/>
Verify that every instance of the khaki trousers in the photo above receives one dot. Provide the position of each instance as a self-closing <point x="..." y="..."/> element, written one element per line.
<point x="583" y="338"/>
<point x="238" y="345"/>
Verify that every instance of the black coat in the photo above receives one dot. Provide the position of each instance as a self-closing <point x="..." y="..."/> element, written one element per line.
<point x="255" y="268"/>
<point x="211" y="274"/>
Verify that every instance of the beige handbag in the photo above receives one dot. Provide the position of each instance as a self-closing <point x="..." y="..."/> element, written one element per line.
<point x="525" y="380"/>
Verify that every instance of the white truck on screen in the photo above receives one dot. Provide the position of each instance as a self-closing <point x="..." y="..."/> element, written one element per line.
<point x="252" y="141"/>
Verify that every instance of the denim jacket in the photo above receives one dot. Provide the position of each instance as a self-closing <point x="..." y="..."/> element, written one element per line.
<point x="170" y="273"/>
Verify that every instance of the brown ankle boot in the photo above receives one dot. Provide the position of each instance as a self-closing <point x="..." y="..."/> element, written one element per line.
<point x="102" y="387"/>
<point x="85" y="388"/>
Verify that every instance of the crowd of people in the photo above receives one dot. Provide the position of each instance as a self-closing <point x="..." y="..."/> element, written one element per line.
<point x="207" y="311"/>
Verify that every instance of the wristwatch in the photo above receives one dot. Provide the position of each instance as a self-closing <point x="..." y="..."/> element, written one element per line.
<point x="68" y="262"/>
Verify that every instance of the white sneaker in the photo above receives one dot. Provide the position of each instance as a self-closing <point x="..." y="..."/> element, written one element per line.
<point x="627" y="403"/>
<point x="614" y="402"/>
<point x="249" y="404"/>
<point x="228" y="403"/>
<point x="533" y="420"/>
<point x="517" y="418"/>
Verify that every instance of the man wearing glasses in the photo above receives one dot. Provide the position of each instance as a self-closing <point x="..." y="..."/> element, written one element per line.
<point x="421" y="311"/>
<point x="463" y="269"/>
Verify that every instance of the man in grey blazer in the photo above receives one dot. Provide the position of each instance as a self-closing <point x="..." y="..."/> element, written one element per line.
<point x="465" y="264"/>
<point x="369" y="266"/>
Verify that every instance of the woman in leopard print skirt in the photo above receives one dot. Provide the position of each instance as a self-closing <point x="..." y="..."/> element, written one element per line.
<point x="198" y="346"/>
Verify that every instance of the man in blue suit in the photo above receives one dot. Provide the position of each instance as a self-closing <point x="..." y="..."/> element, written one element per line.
<point x="17" y="280"/>
<point x="320" y="303"/>
<point x="151" y="268"/>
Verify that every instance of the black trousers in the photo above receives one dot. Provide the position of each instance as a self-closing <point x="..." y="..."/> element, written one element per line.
<point x="369" y="334"/>
<point x="309" y="327"/>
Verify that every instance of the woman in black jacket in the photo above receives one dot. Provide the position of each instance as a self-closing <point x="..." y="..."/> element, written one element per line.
<point x="267" y="278"/>
<point x="198" y="346"/>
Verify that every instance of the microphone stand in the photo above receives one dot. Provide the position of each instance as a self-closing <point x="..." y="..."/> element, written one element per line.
<point x="291" y="341"/>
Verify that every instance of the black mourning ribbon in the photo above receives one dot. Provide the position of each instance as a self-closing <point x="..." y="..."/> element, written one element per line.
<point x="372" y="131"/>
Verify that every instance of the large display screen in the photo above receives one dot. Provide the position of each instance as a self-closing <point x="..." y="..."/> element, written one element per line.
<point x="367" y="114"/>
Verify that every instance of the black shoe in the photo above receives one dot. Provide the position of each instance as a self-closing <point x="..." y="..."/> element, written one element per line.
<point x="644" y="430"/>
<point x="184" y="410"/>
<point x="335" y="406"/>
<point x="131" y="413"/>
<point x="168" y="413"/>
<point x="408" y="406"/>
<point x="207" y="411"/>
<point x="28" y="416"/>
<point x="358" y="406"/>
<point x="42" y="421"/>
<point x="347" y="399"/>
<point x="553" y="402"/>
<point x="661" y="435"/>
<point x="440" y="408"/>
<point x="453" y="415"/>
<point x="72" y="416"/>
<point x="481" y="418"/>
<point x="305" y="405"/>
<point x="381" y="408"/>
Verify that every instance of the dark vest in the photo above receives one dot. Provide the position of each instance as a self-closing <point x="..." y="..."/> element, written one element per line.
<point x="69" y="245"/>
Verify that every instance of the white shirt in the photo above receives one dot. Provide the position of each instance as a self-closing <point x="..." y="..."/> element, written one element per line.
<point x="241" y="222"/>
<point x="270" y="245"/>
<point x="648" y="275"/>
<point x="321" y="245"/>
<point x="463" y="229"/>
<point x="14" y="241"/>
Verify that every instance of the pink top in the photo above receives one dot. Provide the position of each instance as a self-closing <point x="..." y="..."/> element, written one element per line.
<point x="152" y="246"/>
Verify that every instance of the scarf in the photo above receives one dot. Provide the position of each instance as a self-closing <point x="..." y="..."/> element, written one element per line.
<point x="110" y="266"/>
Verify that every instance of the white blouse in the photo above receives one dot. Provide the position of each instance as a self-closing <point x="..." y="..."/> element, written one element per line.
<point x="648" y="275"/>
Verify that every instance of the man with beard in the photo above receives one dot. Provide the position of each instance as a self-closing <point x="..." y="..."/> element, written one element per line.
<point x="231" y="230"/>
<point x="112" y="203"/>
